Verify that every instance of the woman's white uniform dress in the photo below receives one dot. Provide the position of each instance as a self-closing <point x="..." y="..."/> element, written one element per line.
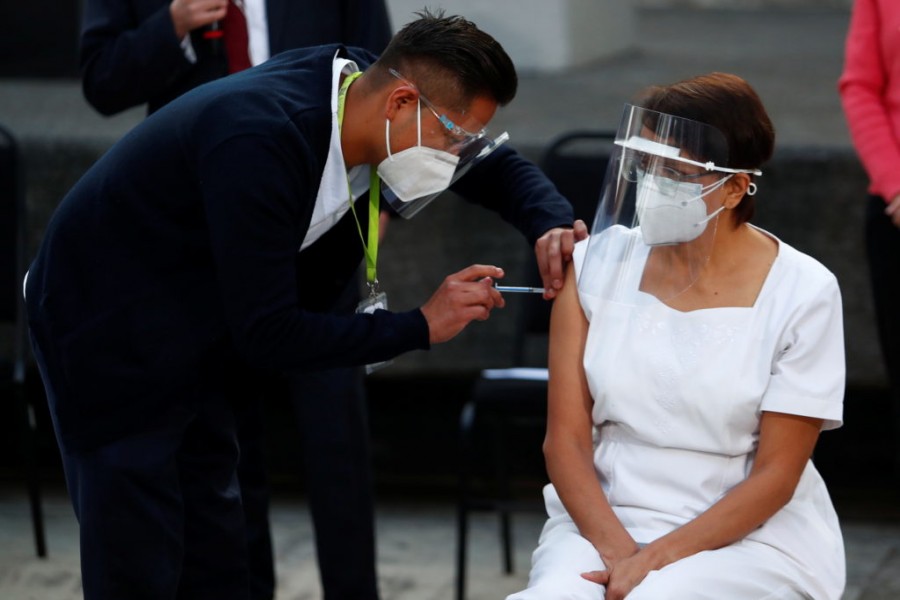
<point x="677" y="403"/>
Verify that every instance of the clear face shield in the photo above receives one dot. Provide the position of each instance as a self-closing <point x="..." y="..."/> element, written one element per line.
<point x="656" y="222"/>
<point x="418" y="175"/>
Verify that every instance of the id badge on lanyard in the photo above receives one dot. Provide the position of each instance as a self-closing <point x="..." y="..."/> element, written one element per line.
<point x="376" y="300"/>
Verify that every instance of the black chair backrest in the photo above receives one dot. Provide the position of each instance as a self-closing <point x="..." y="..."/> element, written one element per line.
<point x="576" y="163"/>
<point x="12" y="241"/>
<point x="9" y="221"/>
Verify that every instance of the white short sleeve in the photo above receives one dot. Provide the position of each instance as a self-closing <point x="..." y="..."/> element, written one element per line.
<point x="808" y="372"/>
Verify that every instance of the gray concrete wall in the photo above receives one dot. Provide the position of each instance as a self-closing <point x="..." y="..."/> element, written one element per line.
<point x="542" y="36"/>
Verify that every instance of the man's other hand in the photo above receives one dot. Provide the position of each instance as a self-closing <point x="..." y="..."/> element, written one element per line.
<point x="553" y="252"/>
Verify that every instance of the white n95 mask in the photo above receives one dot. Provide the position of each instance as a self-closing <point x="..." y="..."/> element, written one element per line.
<point x="417" y="171"/>
<point x="676" y="216"/>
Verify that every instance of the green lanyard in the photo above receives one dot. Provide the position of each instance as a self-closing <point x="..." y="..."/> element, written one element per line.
<point x="370" y="249"/>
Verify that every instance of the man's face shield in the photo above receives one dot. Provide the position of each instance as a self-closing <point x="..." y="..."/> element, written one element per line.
<point x="656" y="222"/>
<point x="461" y="141"/>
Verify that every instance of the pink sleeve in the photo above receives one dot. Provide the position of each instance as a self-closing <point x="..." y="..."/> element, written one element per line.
<point x="863" y="87"/>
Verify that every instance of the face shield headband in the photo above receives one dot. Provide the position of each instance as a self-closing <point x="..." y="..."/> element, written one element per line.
<point x="419" y="179"/>
<point x="656" y="221"/>
<point x="648" y="147"/>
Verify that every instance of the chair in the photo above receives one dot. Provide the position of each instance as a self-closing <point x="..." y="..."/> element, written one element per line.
<point x="506" y="400"/>
<point x="12" y="311"/>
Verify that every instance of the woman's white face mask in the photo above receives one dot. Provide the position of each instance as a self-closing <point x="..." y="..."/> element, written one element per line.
<point x="417" y="171"/>
<point x="676" y="216"/>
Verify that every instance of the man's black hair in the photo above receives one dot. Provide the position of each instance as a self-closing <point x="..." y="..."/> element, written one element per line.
<point x="450" y="60"/>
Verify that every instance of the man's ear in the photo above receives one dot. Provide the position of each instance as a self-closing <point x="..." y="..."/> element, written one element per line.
<point x="398" y="99"/>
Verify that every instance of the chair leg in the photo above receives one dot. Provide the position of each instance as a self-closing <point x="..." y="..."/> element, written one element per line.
<point x="462" y="530"/>
<point x="504" y="495"/>
<point x="29" y="451"/>
<point x="466" y="422"/>
<point x="506" y="535"/>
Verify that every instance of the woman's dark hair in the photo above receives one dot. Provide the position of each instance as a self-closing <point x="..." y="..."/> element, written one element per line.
<point x="730" y="105"/>
<point x="450" y="60"/>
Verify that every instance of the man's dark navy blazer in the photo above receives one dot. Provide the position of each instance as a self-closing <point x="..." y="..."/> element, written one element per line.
<point x="180" y="245"/>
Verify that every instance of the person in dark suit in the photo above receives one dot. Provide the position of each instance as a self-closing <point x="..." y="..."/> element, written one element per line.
<point x="151" y="51"/>
<point x="172" y="264"/>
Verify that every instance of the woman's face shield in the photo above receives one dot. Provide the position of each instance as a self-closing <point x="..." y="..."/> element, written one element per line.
<point x="656" y="222"/>
<point x="463" y="138"/>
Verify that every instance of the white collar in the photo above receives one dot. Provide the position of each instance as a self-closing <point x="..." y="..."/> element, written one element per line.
<point x="331" y="199"/>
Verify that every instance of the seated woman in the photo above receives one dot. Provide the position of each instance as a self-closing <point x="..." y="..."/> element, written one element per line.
<point x="694" y="359"/>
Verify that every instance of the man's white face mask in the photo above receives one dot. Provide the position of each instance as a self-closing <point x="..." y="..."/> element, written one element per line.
<point x="671" y="214"/>
<point x="417" y="171"/>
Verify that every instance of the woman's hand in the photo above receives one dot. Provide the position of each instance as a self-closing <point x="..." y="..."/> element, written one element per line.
<point x="893" y="210"/>
<point x="786" y="442"/>
<point x="622" y="576"/>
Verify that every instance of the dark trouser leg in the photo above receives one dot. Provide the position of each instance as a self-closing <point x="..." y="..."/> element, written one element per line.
<point x="333" y="424"/>
<point x="333" y="421"/>
<point x="130" y="517"/>
<point x="255" y="494"/>
<point x="215" y="563"/>
<point x="883" y="251"/>
<point x="160" y="513"/>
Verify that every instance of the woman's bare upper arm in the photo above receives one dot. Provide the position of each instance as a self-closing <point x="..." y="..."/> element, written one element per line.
<point x="569" y="400"/>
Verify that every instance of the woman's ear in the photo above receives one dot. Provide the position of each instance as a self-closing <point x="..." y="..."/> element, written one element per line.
<point x="736" y="188"/>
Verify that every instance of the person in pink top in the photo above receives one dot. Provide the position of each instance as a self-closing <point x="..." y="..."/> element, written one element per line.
<point x="870" y="93"/>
